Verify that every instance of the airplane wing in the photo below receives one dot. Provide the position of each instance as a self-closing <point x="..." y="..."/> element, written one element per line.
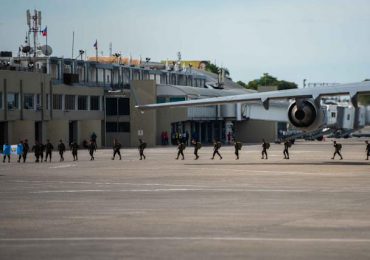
<point x="315" y="93"/>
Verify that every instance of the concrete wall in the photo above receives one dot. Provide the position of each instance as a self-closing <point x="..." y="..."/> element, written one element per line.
<point x="56" y="130"/>
<point x="145" y="92"/>
<point x="20" y="130"/>
<point x="253" y="131"/>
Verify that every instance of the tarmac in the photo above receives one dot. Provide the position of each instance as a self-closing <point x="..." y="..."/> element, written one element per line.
<point x="308" y="207"/>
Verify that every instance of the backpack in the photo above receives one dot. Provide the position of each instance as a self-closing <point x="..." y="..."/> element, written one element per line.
<point x="267" y="145"/>
<point x="218" y="145"/>
<point x="143" y="146"/>
<point x="183" y="146"/>
<point x="198" y="145"/>
<point x="339" y="146"/>
<point x="239" y="145"/>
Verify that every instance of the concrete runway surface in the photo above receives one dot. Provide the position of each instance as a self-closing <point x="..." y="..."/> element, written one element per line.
<point x="308" y="207"/>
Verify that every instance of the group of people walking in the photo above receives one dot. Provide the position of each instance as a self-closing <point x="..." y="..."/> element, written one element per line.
<point x="39" y="149"/>
<point x="265" y="146"/>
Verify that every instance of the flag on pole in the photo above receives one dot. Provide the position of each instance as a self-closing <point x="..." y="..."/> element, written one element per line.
<point x="96" y="45"/>
<point x="45" y="32"/>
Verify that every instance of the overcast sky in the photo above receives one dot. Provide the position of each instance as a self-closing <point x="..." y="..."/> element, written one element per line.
<point x="322" y="41"/>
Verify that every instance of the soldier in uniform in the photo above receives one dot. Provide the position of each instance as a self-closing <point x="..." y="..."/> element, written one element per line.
<point x="37" y="150"/>
<point x="367" y="150"/>
<point x="337" y="148"/>
<point x="181" y="148"/>
<point x="116" y="149"/>
<point x="265" y="146"/>
<point x="287" y="144"/>
<point x="49" y="149"/>
<point x="216" y="147"/>
<point x="26" y="148"/>
<point x="41" y="152"/>
<point x="61" y="149"/>
<point x="92" y="149"/>
<point x="74" y="149"/>
<point x="197" y="146"/>
<point x="141" y="148"/>
<point x="237" y="146"/>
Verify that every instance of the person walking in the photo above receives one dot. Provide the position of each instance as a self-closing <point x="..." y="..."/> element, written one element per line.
<point x="238" y="147"/>
<point x="116" y="149"/>
<point x="287" y="145"/>
<point x="367" y="150"/>
<point x="197" y="146"/>
<point x="20" y="150"/>
<point x="74" y="149"/>
<point x="61" y="149"/>
<point x="265" y="146"/>
<point x="92" y="149"/>
<point x="181" y="147"/>
<point x="338" y="148"/>
<point x="6" y="151"/>
<point x="41" y="151"/>
<point x="216" y="147"/>
<point x="49" y="150"/>
<point x="141" y="148"/>
<point x="36" y="148"/>
<point x="26" y="149"/>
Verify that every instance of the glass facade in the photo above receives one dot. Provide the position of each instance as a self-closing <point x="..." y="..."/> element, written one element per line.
<point x="28" y="101"/>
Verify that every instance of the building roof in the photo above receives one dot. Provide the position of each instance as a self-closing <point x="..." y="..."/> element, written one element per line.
<point x="192" y="92"/>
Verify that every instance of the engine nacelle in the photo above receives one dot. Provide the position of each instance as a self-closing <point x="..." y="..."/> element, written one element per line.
<point x="305" y="115"/>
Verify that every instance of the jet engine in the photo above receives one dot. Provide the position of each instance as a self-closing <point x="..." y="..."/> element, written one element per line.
<point x="306" y="115"/>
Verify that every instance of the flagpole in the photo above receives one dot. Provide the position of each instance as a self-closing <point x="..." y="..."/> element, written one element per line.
<point x="96" y="49"/>
<point x="73" y="42"/>
<point x="47" y="43"/>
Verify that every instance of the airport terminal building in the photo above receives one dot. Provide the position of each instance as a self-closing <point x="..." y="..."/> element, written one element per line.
<point x="56" y="98"/>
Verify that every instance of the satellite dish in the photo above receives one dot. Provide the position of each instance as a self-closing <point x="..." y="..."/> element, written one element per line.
<point x="46" y="50"/>
<point x="26" y="49"/>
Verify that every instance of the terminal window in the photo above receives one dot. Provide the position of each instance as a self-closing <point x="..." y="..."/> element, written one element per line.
<point x="28" y="101"/>
<point x="82" y="102"/>
<point x="161" y="100"/>
<point x="124" y="106"/>
<point x="176" y="99"/>
<point x="124" y="127"/>
<point x="111" y="106"/>
<point x="94" y="103"/>
<point x="57" y="102"/>
<point x="111" y="127"/>
<point x="12" y="100"/>
<point x="69" y="102"/>
<point x="114" y="127"/>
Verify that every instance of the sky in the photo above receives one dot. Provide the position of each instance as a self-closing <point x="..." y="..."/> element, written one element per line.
<point x="321" y="41"/>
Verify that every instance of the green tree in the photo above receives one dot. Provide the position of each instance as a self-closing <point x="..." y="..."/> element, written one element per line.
<point x="268" y="80"/>
<point x="215" y="69"/>
<point x="241" y="83"/>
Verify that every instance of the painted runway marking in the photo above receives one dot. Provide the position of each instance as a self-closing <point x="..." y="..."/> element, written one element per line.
<point x="115" y="183"/>
<point x="63" y="166"/>
<point x="247" y="239"/>
<point x="204" y="190"/>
